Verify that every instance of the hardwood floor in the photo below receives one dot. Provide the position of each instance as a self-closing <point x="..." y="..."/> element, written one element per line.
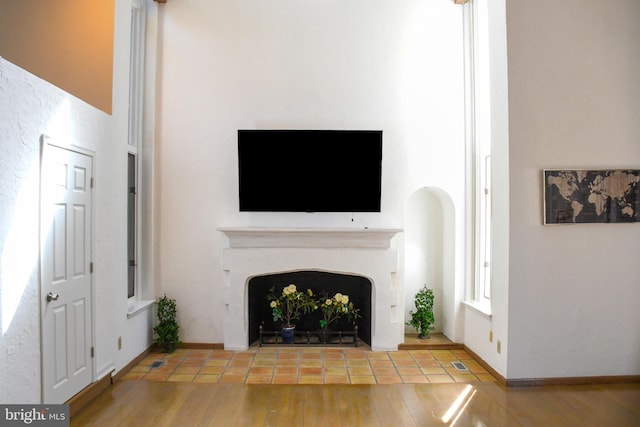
<point x="149" y="403"/>
<point x="137" y="402"/>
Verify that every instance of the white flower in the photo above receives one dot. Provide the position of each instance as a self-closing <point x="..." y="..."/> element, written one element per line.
<point x="291" y="289"/>
<point x="328" y="301"/>
<point x="274" y="304"/>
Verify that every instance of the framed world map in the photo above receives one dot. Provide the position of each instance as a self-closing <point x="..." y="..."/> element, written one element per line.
<point x="591" y="196"/>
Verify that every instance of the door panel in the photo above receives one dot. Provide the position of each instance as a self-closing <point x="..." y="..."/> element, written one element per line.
<point x="60" y="351"/>
<point x="59" y="231"/>
<point x="80" y="317"/>
<point x="66" y="279"/>
<point x="79" y="250"/>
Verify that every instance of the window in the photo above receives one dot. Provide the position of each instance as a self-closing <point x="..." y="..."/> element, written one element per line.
<point x="480" y="141"/>
<point x="136" y="100"/>
<point x="136" y="72"/>
<point x="132" y="225"/>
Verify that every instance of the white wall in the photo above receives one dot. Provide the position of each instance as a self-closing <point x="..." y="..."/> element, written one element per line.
<point x="362" y="64"/>
<point x="573" y="95"/>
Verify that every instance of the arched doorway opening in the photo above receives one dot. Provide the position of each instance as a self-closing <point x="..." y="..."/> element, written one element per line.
<point x="430" y="255"/>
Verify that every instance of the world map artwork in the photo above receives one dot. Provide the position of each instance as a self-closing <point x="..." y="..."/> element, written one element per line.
<point x="588" y="196"/>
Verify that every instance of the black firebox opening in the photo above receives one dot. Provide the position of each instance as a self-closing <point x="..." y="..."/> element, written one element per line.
<point x="357" y="287"/>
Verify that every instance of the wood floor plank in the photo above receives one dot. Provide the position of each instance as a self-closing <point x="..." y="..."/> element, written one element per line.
<point x="170" y="397"/>
<point x="623" y="400"/>
<point x="316" y="413"/>
<point x="480" y="402"/>
<point x="415" y="396"/>
<point x="361" y="408"/>
<point x="281" y="408"/>
<point x="336" y="401"/>
<point x="199" y="407"/>
<point x="256" y="406"/>
<point x="108" y="407"/>
<point x="230" y="406"/>
<point x="391" y="408"/>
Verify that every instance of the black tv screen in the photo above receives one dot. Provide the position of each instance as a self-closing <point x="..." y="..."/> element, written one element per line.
<point x="310" y="170"/>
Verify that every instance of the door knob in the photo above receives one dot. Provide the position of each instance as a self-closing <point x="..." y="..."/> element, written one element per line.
<point x="52" y="297"/>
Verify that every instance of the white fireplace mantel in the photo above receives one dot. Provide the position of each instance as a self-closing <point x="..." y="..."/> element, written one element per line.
<point x="254" y="251"/>
<point x="255" y="237"/>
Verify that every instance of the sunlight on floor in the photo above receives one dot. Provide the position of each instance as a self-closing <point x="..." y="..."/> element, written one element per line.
<point x="458" y="406"/>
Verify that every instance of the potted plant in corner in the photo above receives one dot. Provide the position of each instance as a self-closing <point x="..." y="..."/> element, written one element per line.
<point x="167" y="329"/>
<point x="422" y="318"/>
<point x="290" y="305"/>
<point x="333" y="309"/>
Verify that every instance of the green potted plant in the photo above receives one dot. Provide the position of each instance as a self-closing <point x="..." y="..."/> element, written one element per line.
<point x="422" y="318"/>
<point x="290" y="305"/>
<point x="333" y="309"/>
<point x="167" y="329"/>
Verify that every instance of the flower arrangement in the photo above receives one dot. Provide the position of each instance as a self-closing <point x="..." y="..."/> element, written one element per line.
<point x="336" y="307"/>
<point x="291" y="304"/>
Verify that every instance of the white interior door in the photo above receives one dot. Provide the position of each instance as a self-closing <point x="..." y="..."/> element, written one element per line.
<point x="65" y="273"/>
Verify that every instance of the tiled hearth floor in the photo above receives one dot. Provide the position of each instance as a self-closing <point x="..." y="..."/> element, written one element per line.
<point x="309" y="365"/>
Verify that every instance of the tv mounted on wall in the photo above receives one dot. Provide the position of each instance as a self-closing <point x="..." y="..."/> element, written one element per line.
<point x="310" y="170"/>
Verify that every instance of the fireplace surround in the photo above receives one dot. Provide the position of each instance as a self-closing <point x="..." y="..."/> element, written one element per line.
<point x="253" y="252"/>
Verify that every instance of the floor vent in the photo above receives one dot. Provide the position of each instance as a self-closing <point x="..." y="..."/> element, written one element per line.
<point x="459" y="366"/>
<point x="157" y="363"/>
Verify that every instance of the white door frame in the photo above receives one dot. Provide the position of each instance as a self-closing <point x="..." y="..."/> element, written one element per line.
<point x="44" y="141"/>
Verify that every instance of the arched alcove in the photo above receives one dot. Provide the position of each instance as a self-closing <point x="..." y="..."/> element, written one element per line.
<point x="429" y="241"/>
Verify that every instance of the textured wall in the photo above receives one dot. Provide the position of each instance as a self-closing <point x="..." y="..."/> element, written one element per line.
<point x="20" y="95"/>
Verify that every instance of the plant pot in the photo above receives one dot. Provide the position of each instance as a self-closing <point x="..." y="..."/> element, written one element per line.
<point x="324" y="335"/>
<point x="168" y="348"/>
<point x="287" y="332"/>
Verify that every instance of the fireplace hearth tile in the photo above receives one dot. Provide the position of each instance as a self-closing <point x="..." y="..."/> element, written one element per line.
<point x="336" y="379"/>
<point x="292" y="365"/>
<point x="414" y="379"/>
<point x="364" y="379"/>
<point x="205" y="378"/>
<point x="389" y="379"/>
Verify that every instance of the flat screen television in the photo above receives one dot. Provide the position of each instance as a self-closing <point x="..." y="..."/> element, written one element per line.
<point x="310" y="170"/>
